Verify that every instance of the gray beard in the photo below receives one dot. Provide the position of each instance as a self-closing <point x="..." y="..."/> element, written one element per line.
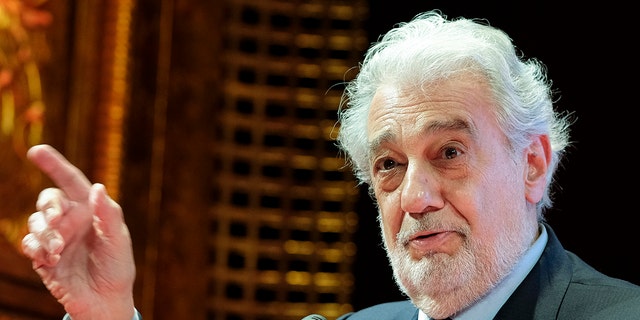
<point x="442" y="285"/>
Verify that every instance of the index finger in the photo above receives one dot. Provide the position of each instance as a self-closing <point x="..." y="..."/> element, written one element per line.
<point x="64" y="174"/>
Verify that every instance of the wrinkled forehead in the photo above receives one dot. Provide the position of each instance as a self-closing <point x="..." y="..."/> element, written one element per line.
<point x="460" y="98"/>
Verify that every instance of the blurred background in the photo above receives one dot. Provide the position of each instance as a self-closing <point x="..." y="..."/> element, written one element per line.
<point x="212" y="124"/>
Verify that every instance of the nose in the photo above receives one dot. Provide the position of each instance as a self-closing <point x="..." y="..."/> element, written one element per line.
<point x="421" y="192"/>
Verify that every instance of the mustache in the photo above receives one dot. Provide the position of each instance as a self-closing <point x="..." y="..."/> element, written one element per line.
<point x="427" y="222"/>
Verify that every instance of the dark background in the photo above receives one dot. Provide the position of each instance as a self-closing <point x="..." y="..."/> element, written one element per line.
<point x="589" y="52"/>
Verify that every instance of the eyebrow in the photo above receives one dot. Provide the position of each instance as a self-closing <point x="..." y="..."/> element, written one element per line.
<point x="433" y="127"/>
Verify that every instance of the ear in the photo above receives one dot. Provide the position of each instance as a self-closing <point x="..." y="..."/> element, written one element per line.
<point x="538" y="160"/>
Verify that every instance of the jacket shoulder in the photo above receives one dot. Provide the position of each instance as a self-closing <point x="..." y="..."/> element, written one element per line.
<point x="592" y="292"/>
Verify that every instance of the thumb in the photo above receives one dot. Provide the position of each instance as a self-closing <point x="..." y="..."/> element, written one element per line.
<point x="108" y="217"/>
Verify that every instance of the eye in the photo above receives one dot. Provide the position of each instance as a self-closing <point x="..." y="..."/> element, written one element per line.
<point x="450" y="153"/>
<point x="385" y="165"/>
<point x="388" y="164"/>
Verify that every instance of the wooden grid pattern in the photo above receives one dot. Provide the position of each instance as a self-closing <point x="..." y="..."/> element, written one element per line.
<point x="281" y="228"/>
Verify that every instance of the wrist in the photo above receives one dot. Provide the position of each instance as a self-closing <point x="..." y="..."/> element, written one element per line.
<point x="122" y="310"/>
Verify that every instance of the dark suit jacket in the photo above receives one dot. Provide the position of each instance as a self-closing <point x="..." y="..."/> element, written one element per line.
<point x="560" y="286"/>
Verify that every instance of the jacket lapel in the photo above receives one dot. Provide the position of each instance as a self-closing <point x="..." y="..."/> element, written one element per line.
<point x="540" y="294"/>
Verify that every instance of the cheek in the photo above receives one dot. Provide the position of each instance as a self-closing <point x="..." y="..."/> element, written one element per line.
<point x="497" y="206"/>
<point x="390" y="215"/>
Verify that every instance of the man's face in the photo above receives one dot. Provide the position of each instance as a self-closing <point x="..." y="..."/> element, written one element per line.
<point x="453" y="205"/>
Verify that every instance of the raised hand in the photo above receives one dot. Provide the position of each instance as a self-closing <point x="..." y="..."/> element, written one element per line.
<point x="79" y="243"/>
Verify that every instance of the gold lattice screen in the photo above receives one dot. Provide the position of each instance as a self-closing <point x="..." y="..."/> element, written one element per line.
<point x="281" y="238"/>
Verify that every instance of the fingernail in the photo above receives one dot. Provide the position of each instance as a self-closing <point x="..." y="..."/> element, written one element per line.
<point x="53" y="259"/>
<point x="50" y="212"/>
<point x="55" y="245"/>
